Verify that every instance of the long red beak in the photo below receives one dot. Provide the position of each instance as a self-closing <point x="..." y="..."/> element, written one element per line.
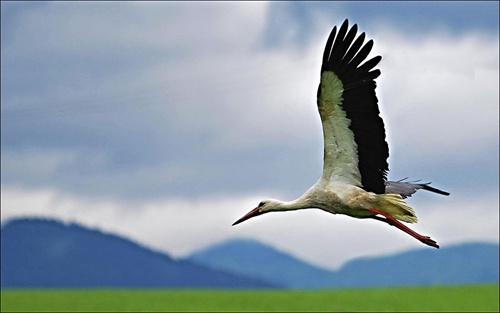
<point x="250" y="214"/>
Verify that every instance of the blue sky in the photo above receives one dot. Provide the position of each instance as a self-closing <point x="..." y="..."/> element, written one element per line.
<point x="165" y="121"/>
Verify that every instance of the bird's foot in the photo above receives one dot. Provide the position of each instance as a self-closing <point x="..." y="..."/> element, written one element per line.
<point x="428" y="241"/>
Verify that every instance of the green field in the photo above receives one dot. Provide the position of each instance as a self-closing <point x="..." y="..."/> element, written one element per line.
<point x="481" y="298"/>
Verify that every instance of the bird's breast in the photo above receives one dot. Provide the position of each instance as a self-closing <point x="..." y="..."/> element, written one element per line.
<point x="340" y="198"/>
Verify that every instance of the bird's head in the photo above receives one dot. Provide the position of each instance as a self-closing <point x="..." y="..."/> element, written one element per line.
<point x="264" y="206"/>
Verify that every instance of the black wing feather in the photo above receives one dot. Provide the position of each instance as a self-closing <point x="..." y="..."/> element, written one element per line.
<point x="360" y="102"/>
<point x="352" y="52"/>
<point x="329" y="43"/>
<point x="339" y="46"/>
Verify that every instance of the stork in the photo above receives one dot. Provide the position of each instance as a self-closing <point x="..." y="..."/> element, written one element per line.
<point x="354" y="180"/>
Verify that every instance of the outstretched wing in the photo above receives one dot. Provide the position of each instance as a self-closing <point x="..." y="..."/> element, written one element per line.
<point x="355" y="149"/>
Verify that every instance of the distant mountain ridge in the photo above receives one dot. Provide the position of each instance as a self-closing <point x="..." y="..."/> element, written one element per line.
<point x="468" y="263"/>
<point x="254" y="259"/>
<point x="48" y="253"/>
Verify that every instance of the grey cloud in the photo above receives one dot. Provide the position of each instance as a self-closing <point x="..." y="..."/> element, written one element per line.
<point x="295" y="22"/>
<point x="171" y="105"/>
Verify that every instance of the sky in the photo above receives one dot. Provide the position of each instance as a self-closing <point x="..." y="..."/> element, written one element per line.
<point x="165" y="122"/>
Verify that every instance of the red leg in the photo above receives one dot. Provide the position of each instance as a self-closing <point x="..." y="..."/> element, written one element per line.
<point x="389" y="219"/>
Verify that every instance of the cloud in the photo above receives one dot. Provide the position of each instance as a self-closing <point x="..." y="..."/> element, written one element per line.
<point x="180" y="226"/>
<point x="449" y="84"/>
<point x="439" y="99"/>
<point x="244" y="108"/>
<point x="106" y="27"/>
<point x="294" y="23"/>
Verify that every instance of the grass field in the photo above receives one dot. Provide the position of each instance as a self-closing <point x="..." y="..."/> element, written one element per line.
<point x="480" y="298"/>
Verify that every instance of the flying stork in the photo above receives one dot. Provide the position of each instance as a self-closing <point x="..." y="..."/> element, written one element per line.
<point x="354" y="180"/>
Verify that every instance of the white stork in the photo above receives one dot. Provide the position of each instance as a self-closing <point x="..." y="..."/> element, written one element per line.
<point x="354" y="180"/>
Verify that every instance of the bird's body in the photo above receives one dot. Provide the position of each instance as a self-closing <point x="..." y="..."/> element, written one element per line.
<point x="354" y="180"/>
<point x="340" y="198"/>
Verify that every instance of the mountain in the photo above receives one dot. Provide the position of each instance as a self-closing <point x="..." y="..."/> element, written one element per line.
<point x="48" y="253"/>
<point x="254" y="259"/>
<point x="468" y="263"/>
<point x="460" y="264"/>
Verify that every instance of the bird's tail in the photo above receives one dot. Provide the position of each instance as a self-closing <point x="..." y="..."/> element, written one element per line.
<point x="394" y="204"/>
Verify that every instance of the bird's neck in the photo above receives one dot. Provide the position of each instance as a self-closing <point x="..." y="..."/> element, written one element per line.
<point x="297" y="204"/>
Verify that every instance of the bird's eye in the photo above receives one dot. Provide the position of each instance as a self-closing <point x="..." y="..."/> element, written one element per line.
<point x="261" y="204"/>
